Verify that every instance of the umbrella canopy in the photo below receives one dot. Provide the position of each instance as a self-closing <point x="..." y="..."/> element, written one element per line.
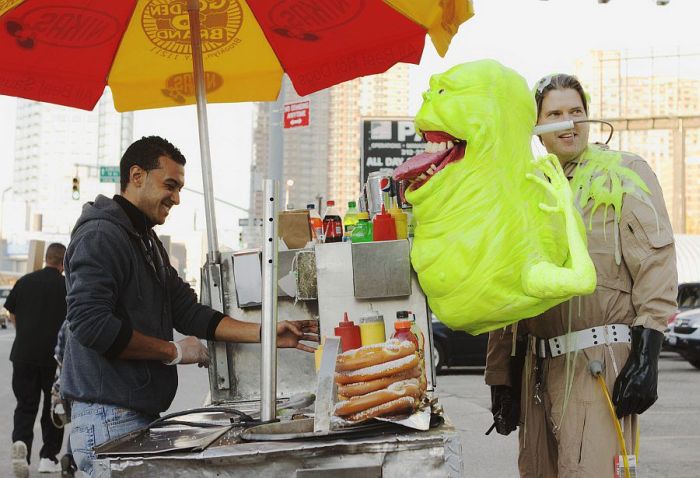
<point x="66" y="51"/>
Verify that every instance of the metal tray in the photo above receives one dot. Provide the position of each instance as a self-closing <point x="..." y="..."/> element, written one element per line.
<point x="304" y="428"/>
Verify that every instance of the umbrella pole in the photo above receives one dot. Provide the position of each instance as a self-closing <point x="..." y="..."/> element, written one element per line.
<point x="203" y="124"/>
<point x="212" y="269"/>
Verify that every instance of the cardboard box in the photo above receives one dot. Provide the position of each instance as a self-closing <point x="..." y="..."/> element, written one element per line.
<point x="294" y="228"/>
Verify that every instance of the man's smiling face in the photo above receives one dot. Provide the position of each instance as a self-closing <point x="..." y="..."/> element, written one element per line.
<point x="564" y="105"/>
<point x="161" y="189"/>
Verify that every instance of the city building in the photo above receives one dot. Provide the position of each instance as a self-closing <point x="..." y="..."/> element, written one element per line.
<point x="58" y="153"/>
<point x="322" y="160"/>
<point x="653" y="99"/>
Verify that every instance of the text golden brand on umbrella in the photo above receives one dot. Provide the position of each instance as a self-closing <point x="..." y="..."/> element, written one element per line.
<point x="166" y="24"/>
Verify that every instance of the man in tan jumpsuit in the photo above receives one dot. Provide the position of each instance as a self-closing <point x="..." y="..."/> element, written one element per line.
<point x="575" y="437"/>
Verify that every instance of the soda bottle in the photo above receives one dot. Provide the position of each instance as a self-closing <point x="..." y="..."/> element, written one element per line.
<point x="316" y="223"/>
<point x="350" y="220"/>
<point x="332" y="224"/>
<point x="362" y="232"/>
<point x="411" y="226"/>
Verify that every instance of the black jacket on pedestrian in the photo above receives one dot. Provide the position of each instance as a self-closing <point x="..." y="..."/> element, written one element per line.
<point x="119" y="279"/>
<point x="38" y="300"/>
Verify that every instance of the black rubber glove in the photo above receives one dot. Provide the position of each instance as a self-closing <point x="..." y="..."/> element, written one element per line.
<point x="505" y="409"/>
<point x="635" y="387"/>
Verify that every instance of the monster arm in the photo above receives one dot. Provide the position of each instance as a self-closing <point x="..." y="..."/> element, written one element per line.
<point x="577" y="277"/>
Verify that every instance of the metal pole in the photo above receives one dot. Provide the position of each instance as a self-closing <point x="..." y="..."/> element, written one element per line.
<point x="268" y="326"/>
<point x="201" y="95"/>
<point x="276" y="139"/>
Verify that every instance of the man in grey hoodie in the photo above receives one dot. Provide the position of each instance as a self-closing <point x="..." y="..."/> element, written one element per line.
<point x="124" y="300"/>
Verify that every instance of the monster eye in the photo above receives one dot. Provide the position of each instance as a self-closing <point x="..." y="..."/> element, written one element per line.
<point x="441" y="91"/>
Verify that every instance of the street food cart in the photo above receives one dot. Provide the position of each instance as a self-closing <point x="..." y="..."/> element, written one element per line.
<point x="248" y="381"/>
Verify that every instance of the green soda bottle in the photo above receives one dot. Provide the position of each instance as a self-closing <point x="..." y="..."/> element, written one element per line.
<point x="350" y="220"/>
<point x="362" y="232"/>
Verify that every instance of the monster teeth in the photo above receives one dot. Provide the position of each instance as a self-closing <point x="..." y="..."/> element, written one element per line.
<point x="431" y="170"/>
<point x="437" y="147"/>
<point x="422" y="177"/>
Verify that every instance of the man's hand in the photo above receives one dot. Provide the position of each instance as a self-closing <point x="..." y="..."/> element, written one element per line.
<point x="505" y="409"/>
<point x="291" y="332"/>
<point x="193" y="351"/>
<point x="635" y="387"/>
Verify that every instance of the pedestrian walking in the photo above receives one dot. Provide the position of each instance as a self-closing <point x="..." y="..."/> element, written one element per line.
<point x="37" y="306"/>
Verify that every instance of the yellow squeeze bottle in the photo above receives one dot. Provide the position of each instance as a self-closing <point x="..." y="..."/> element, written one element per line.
<point x="372" y="329"/>
<point x="318" y="353"/>
<point x="401" y="220"/>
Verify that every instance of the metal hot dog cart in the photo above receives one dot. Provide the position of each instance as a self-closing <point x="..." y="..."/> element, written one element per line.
<point x="254" y="383"/>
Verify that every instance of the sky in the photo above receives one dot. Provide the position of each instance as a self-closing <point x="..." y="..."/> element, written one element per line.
<point x="534" y="37"/>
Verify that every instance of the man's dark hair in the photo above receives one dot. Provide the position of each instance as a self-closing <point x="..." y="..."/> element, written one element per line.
<point x="55" y="253"/>
<point x="145" y="153"/>
<point x="558" y="82"/>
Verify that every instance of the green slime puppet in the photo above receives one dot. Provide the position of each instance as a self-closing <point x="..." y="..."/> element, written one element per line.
<point x="498" y="237"/>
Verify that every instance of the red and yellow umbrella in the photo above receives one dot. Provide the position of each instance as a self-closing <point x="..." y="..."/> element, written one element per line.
<point x="67" y="51"/>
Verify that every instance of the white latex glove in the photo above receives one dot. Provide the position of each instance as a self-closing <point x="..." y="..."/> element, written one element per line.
<point x="193" y="351"/>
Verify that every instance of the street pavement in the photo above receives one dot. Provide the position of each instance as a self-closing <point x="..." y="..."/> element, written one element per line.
<point x="670" y="445"/>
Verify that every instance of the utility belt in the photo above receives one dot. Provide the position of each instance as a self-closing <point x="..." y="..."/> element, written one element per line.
<point x="582" y="339"/>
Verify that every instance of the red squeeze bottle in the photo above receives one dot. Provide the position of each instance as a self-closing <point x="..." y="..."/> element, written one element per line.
<point x="349" y="334"/>
<point x="383" y="226"/>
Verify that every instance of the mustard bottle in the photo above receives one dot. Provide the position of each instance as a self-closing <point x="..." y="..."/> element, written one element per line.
<point x="372" y="328"/>
<point x="318" y="354"/>
<point x="401" y="220"/>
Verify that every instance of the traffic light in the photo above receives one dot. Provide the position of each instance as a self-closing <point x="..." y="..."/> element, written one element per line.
<point x="76" y="188"/>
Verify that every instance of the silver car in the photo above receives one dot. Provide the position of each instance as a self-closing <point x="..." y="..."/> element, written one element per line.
<point x="683" y="334"/>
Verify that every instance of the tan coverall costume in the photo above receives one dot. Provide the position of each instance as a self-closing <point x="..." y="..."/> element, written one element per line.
<point x="641" y="291"/>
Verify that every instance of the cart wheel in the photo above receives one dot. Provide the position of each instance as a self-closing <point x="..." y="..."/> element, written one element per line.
<point x="4" y="326"/>
<point x="438" y="357"/>
<point x="695" y="362"/>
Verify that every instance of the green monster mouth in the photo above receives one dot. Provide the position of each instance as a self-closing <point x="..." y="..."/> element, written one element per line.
<point x="443" y="149"/>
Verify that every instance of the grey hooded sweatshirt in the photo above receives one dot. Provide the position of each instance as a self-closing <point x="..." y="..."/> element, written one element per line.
<point x="115" y="286"/>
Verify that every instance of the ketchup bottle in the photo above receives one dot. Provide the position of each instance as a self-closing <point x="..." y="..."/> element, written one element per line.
<point x="383" y="227"/>
<point x="349" y="334"/>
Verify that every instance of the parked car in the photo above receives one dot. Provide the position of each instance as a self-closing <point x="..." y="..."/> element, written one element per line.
<point x="454" y="348"/>
<point x="684" y="336"/>
<point x="4" y="314"/>
<point x="683" y="333"/>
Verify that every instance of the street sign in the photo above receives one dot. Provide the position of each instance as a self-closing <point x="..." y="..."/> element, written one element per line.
<point x="387" y="143"/>
<point x="296" y="115"/>
<point x="109" y="174"/>
<point x="245" y="222"/>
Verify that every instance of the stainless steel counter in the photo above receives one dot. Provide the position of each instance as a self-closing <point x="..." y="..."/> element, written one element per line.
<point x="436" y="453"/>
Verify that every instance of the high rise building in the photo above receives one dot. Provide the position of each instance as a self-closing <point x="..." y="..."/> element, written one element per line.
<point x="654" y="99"/>
<point x="322" y="160"/>
<point x="54" y="145"/>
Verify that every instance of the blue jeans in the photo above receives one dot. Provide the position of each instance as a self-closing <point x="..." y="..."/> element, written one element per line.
<point x="95" y="423"/>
